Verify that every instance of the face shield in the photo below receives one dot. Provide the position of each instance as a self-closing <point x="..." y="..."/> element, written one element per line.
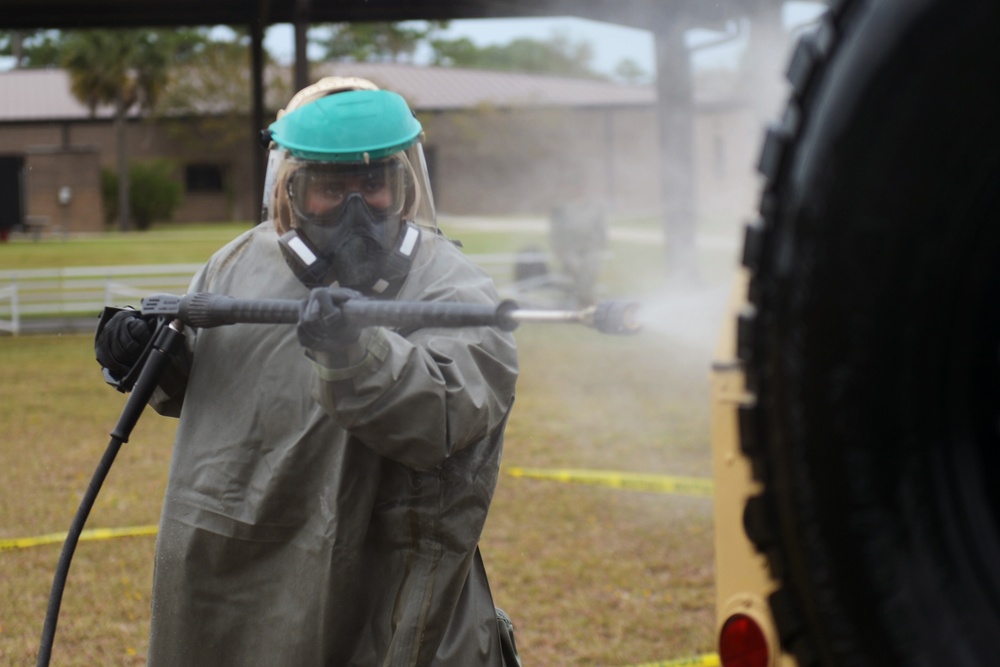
<point x="349" y="188"/>
<point x="421" y="209"/>
<point x="326" y="86"/>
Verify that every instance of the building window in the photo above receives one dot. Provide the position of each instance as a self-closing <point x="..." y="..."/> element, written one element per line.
<point x="203" y="178"/>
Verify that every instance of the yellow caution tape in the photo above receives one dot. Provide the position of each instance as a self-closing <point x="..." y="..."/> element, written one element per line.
<point x="687" y="486"/>
<point x="707" y="660"/>
<point x="92" y="534"/>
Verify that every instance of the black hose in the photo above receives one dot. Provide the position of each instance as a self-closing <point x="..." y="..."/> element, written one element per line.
<point x="69" y="546"/>
<point x="166" y="341"/>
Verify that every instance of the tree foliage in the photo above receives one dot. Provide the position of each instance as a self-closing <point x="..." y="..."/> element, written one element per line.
<point x="629" y="71"/>
<point x="214" y="87"/>
<point x="32" y="48"/>
<point x="120" y="67"/>
<point x="400" y="42"/>
<point x="557" y="56"/>
<point x="127" y="67"/>
<point x="155" y="192"/>
<point x="376" y="42"/>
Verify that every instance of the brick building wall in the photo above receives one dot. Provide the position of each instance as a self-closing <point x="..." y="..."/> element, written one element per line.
<point x="483" y="161"/>
<point x="63" y="187"/>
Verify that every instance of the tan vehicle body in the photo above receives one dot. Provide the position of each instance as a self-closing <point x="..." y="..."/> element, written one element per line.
<point x="856" y="383"/>
<point x="742" y="581"/>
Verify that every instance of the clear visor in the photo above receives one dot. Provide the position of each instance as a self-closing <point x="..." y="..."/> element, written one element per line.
<point x="318" y="191"/>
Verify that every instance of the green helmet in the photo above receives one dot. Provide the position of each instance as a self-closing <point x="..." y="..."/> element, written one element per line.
<point x="351" y="126"/>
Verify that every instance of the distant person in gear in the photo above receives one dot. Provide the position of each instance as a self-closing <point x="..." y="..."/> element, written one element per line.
<point x="578" y="236"/>
<point x="329" y="484"/>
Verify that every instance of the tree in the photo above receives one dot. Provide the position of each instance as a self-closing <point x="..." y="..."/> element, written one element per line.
<point x="213" y="87"/>
<point x="31" y="48"/>
<point x="125" y="68"/>
<point x="212" y="92"/>
<point x="154" y="192"/>
<point x="629" y="71"/>
<point x="377" y="42"/>
<point x="557" y="56"/>
<point x="400" y="42"/>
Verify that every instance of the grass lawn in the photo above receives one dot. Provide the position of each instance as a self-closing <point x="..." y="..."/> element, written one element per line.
<point x="591" y="575"/>
<point x="168" y="245"/>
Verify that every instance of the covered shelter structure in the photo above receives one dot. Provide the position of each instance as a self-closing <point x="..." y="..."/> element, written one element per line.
<point x="668" y="20"/>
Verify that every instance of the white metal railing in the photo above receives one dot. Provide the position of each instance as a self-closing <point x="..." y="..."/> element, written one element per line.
<point x="82" y="291"/>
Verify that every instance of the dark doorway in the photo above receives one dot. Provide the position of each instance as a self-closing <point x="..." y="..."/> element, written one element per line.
<point x="11" y="193"/>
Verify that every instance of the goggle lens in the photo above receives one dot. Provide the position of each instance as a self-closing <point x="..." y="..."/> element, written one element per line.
<point x="319" y="191"/>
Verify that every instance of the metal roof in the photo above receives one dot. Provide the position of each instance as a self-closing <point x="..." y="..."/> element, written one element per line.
<point x="44" y="94"/>
<point x="438" y="88"/>
<point x="41" y="94"/>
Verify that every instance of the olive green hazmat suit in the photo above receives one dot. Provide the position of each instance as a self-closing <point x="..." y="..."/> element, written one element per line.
<point x="331" y="517"/>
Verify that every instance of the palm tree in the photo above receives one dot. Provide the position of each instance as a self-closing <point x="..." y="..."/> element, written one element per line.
<point x="120" y="67"/>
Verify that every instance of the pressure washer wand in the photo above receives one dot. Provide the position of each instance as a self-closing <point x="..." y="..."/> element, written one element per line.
<point x="204" y="310"/>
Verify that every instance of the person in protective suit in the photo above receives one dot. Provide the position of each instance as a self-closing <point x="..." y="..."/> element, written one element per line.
<point x="578" y="236"/>
<point x="329" y="483"/>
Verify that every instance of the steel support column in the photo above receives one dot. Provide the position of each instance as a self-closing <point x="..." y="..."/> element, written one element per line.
<point x="675" y="122"/>
<point x="257" y="114"/>
<point x="301" y="24"/>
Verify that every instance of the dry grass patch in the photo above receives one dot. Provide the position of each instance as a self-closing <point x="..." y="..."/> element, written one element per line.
<point x="594" y="575"/>
<point x="591" y="575"/>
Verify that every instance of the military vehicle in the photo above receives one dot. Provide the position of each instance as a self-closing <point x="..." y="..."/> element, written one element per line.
<point x="856" y="422"/>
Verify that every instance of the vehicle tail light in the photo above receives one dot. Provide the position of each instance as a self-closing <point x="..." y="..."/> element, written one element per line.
<point x="742" y="643"/>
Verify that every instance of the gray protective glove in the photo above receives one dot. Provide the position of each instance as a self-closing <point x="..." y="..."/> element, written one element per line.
<point x="322" y="325"/>
<point x="119" y="344"/>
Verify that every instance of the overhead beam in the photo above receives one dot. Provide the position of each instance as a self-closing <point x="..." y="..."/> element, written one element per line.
<point x="34" y="14"/>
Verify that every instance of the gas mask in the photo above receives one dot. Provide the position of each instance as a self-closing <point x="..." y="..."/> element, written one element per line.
<point x="348" y="223"/>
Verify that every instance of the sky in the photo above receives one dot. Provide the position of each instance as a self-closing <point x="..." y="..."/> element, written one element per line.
<point x="611" y="43"/>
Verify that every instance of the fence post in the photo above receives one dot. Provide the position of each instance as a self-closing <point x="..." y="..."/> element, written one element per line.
<point x="15" y="314"/>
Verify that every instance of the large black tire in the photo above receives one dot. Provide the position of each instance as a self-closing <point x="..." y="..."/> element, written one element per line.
<point x="872" y="347"/>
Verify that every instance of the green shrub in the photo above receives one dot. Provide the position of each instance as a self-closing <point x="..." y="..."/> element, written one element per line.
<point x="154" y="192"/>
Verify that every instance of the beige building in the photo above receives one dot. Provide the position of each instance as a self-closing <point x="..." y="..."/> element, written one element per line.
<point x="497" y="143"/>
